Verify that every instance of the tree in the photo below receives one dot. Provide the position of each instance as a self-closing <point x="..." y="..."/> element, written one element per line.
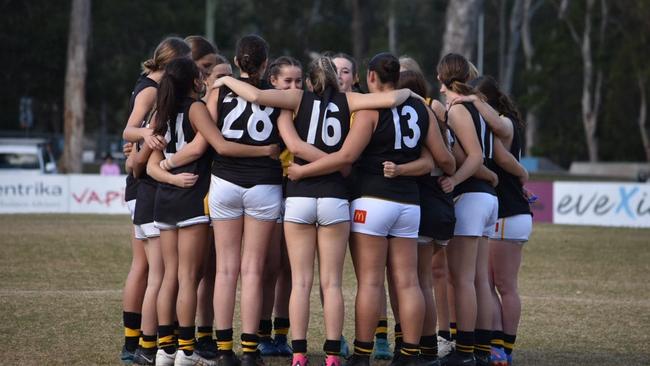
<point x="461" y="27"/>
<point x="592" y="73"/>
<point x="532" y="67"/>
<point x="359" y="34"/>
<point x="75" y="86"/>
<point x="508" y="59"/>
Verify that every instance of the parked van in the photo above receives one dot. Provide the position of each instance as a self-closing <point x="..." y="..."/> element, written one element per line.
<point x="25" y="155"/>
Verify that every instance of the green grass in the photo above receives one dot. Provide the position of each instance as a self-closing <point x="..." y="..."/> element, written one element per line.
<point x="584" y="289"/>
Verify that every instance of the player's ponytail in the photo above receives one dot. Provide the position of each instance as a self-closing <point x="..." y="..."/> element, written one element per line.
<point x="454" y="71"/>
<point x="252" y="53"/>
<point x="169" y="49"/>
<point x="386" y="66"/>
<point x="489" y="87"/>
<point x="322" y="77"/>
<point x="177" y="83"/>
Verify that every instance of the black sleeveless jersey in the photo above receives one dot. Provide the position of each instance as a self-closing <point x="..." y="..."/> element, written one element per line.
<point x="174" y="204"/>
<point x="486" y="140"/>
<point x="509" y="190"/>
<point x="324" y="123"/>
<point x="398" y="138"/>
<point x="249" y="124"/>
<point x="131" y="190"/>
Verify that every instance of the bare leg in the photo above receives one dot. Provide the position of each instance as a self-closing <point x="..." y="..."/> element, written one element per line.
<point x="192" y="247"/>
<point x="169" y="287"/>
<point x="332" y="245"/>
<point x="439" y="273"/>
<point x="257" y="236"/>
<point x="227" y="241"/>
<point x="154" y="280"/>
<point x="402" y="259"/>
<point x="506" y="258"/>
<point x="369" y="255"/>
<point x="301" y="246"/>
<point x="461" y="257"/>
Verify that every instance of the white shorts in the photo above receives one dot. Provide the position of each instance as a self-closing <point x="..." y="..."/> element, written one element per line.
<point x="146" y="231"/>
<point x="513" y="228"/>
<point x="131" y="205"/>
<point x="321" y="211"/>
<point x="229" y="201"/>
<point x="181" y="224"/>
<point x="282" y="210"/>
<point x="379" y="217"/>
<point x="476" y="214"/>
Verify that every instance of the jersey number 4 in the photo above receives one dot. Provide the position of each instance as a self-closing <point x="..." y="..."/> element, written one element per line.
<point x="259" y="115"/>
<point x="331" y="130"/>
<point x="409" y="141"/>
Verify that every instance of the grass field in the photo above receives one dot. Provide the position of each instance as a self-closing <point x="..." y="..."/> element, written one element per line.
<point x="585" y="293"/>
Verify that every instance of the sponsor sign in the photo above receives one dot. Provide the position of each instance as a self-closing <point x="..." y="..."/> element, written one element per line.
<point x="601" y="204"/>
<point x="542" y="208"/>
<point x="33" y="193"/>
<point x="97" y="194"/>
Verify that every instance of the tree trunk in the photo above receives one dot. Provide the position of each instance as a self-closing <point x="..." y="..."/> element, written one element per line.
<point x="502" y="37"/>
<point x="392" y="28"/>
<point x="461" y="27"/>
<point x="75" y="86"/>
<point x="532" y="119"/>
<point x="643" y="112"/>
<point x="592" y="76"/>
<point x="514" y="37"/>
<point x="359" y="36"/>
<point x="210" y="19"/>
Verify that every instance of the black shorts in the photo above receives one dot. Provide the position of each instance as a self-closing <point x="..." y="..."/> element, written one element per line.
<point x="437" y="217"/>
<point x="144" y="203"/>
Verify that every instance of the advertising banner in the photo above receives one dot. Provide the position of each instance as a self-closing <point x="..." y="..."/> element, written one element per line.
<point x="542" y="208"/>
<point x="31" y="193"/>
<point x="97" y="194"/>
<point x="601" y="204"/>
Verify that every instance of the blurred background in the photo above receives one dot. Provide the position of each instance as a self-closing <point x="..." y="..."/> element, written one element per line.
<point x="577" y="69"/>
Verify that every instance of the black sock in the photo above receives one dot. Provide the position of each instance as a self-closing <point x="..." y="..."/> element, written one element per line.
<point x="332" y="347"/>
<point x="363" y="348"/>
<point x="429" y="346"/>
<point x="264" y="329"/>
<point x="409" y="350"/>
<point x="204" y="334"/>
<point x="453" y="330"/>
<point x="464" y="343"/>
<point x="186" y="339"/>
<point x="280" y="329"/>
<point x="299" y="346"/>
<point x="224" y="340"/>
<point x="132" y="323"/>
<point x="483" y="338"/>
<point x="148" y="342"/>
<point x="382" y="329"/>
<point x="398" y="337"/>
<point x="249" y="343"/>
<point x="445" y="334"/>
<point x="166" y="338"/>
<point x="497" y="339"/>
<point x="509" y="342"/>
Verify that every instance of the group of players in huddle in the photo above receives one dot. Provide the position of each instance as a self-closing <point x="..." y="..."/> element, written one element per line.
<point x="256" y="176"/>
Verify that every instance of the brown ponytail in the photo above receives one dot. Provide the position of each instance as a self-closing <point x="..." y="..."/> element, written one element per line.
<point x="251" y="52"/>
<point x="454" y="71"/>
<point x="169" y="49"/>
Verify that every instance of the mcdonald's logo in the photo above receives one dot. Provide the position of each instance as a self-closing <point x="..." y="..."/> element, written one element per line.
<point x="360" y="216"/>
